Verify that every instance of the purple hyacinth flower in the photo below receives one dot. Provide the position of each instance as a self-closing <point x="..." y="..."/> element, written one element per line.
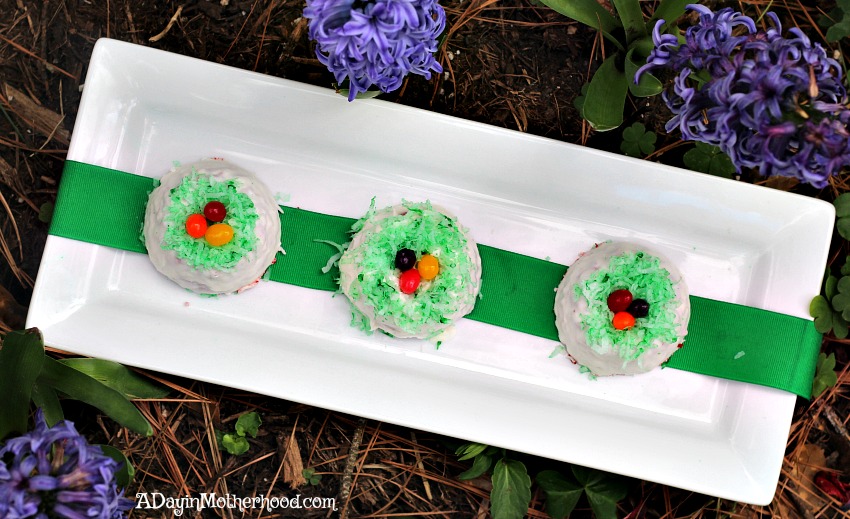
<point x="54" y="472"/>
<point x="776" y="104"/>
<point x="376" y="42"/>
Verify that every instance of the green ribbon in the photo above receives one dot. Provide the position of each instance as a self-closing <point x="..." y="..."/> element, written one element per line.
<point x="726" y="340"/>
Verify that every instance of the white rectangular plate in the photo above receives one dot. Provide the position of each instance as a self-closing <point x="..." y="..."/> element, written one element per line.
<point x="143" y="109"/>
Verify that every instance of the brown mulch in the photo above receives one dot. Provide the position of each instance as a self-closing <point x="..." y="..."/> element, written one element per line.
<point x="513" y="64"/>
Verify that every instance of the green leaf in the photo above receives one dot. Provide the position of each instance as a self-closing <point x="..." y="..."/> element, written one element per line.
<point x="578" y="102"/>
<point x="511" y="490"/>
<point x="248" y="423"/>
<point x="819" y="309"/>
<point x="234" y="444"/>
<point x="562" y="495"/>
<point x="118" y="377"/>
<point x="669" y="11"/>
<point x="86" y="389"/>
<point x="606" y="97"/>
<point x="842" y="205"/>
<point x="45" y="398"/>
<point x="21" y="360"/>
<point x="825" y="376"/>
<point x="631" y="17"/>
<point x="841" y="302"/>
<point x="721" y="166"/>
<point x="839" y="326"/>
<point x="648" y="85"/>
<point x="311" y="476"/>
<point x="45" y="212"/>
<point x="637" y="141"/>
<point x="603" y="490"/>
<point x="369" y="94"/>
<point x="843" y="284"/>
<point x="841" y="26"/>
<point x="480" y="465"/>
<point x="125" y="474"/>
<point x="843" y="227"/>
<point x="470" y="450"/>
<point x="845" y="269"/>
<point x="830" y="287"/>
<point x="709" y="159"/>
<point x="588" y="12"/>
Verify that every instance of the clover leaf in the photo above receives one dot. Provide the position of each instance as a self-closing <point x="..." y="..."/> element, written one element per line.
<point x="637" y="141"/>
<point x="311" y="476"/>
<point x="842" y="213"/>
<point x="248" y="423"/>
<point x="837" y="21"/>
<point x="237" y="443"/>
<point x="511" y="490"/>
<point x="709" y="159"/>
<point x="826" y="318"/>
<point x="562" y="495"/>
<point x="234" y="444"/>
<point x="825" y="376"/>
<point x="603" y="490"/>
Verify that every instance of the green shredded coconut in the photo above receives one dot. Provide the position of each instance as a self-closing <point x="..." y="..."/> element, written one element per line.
<point x="190" y="197"/>
<point x="584" y="369"/>
<point x="423" y="230"/>
<point x="560" y="349"/>
<point x="335" y="258"/>
<point x="739" y="355"/>
<point x="642" y="275"/>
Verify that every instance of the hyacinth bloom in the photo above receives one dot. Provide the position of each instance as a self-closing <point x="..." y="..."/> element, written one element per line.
<point x="52" y="472"/>
<point x="376" y="42"/>
<point x="771" y="102"/>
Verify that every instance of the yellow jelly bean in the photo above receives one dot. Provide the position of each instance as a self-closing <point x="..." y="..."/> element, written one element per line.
<point x="428" y="267"/>
<point x="219" y="234"/>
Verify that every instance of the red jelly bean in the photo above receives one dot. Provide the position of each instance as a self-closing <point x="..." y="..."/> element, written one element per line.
<point x="619" y="300"/>
<point x="215" y="211"/>
<point x="196" y="225"/>
<point x="409" y="280"/>
<point x="623" y="320"/>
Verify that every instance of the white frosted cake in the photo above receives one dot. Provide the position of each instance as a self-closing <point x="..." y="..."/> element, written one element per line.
<point x="622" y="309"/>
<point x="410" y="271"/>
<point x="212" y="227"/>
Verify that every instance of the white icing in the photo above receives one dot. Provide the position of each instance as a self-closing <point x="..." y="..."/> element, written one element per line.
<point x="350" y="269"/>
<point x="569" y="309"/>
<point x="213" y="281"/>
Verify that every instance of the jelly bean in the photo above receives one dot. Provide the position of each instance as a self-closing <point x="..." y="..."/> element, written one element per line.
<point x="639" y="308"/>
<point x="196" y="225"/>
<point x="619" y="300"/>
<point x="428" y="267"/>
<point x="219" y="234"/>
<point x="408" y="282"/>
<point x="623" y="320"/>
<point x="405" y="259"/>
<point x="215" y="211"/>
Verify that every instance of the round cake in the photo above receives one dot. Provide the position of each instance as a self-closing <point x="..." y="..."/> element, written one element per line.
<point x="211" y="227"/>
<point x="410" y="271"/>
<point x="622" y="309"/>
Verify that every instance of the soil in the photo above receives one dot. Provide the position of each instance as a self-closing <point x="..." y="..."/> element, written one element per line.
<point x="513" y="64"/>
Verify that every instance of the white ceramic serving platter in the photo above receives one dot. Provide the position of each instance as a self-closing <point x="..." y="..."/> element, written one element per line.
<point x="143" y="109"/>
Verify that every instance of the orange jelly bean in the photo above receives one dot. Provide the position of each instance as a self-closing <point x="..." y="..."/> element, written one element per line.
<point x="196" y="225"/>
<point x="219" y="234"/>
<point x="623" y="320"/>
<point x="428" y="267"/>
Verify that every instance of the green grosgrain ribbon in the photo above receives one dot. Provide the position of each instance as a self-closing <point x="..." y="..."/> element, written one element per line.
<point x="106" y="207"/>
